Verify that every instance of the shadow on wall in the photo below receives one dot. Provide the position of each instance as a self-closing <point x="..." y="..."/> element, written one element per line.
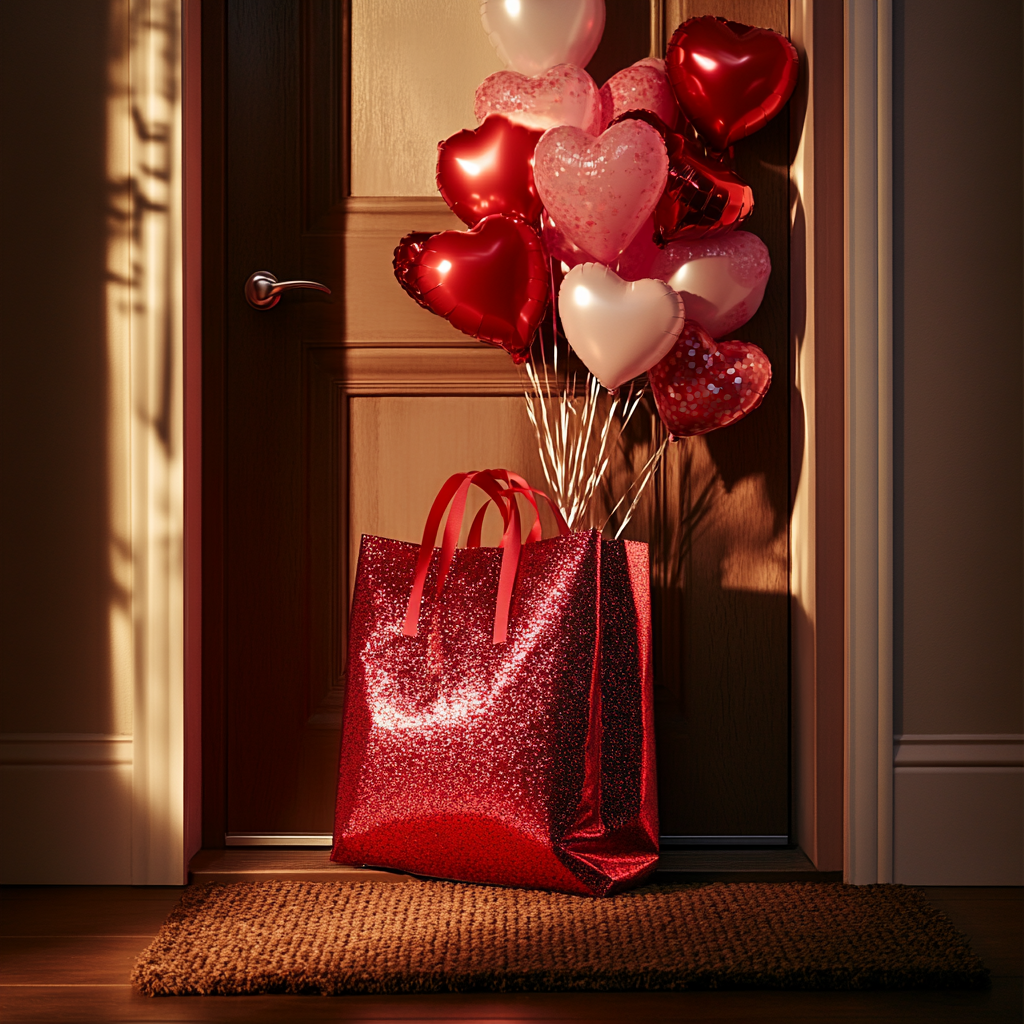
<point x="55" y="445"/>
<point x="88" y="393"/>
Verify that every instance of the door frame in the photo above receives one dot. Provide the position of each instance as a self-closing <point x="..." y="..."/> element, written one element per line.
<point x="842" y="641"/>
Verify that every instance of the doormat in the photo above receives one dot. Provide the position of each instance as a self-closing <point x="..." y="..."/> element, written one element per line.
<point x="334" y="938"/>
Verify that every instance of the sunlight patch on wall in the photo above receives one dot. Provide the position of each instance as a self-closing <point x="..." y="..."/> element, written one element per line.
<point x="144" y="304"/>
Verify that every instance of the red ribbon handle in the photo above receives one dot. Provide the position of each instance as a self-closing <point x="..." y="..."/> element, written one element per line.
<point x="515" y="484"/>
<point x="455" y="490"/>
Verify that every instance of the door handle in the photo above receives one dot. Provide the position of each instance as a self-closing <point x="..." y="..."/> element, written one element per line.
<point x="263" y="290"/>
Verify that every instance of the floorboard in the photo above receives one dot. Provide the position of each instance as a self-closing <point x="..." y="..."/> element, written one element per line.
<point x="65" y="954"/>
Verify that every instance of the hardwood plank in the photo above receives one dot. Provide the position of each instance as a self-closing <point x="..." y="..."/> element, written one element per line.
<point x="996" y="928"/>
<point x="85" y="910"/>
<point x="740" y="866"/>
<point x="251" y="865"/>
<point x="1001" y="1005"/>
<point x="69" y="959"/>
<point x="1001" y="893"/>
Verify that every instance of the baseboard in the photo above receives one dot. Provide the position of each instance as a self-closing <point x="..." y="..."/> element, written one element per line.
<point x="66" y="808"/>
<point x="959" y="809"/>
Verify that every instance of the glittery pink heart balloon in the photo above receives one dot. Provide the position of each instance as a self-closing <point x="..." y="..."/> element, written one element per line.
<point x="702" y="385"/>
<point x="642" y="86"/>
<point x="722" y="279"/>
<point x="564" y="95"/>
<point x="633" y="264"/>
<point x="559" y="247"/>
<point x="599" y="191"/>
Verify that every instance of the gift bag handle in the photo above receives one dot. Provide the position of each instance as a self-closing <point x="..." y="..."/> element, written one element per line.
<point x="454" y="490"/>
<point x="515" y="484"/>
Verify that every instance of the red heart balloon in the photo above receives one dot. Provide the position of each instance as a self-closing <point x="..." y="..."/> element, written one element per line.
<point x="489" y="170"/>
<point x="406" y="261"/>
<point x="730" y="79"/>
<point x="490" y="282"/>
<point x="702" y="385"/>
<point x="702" y="195"/>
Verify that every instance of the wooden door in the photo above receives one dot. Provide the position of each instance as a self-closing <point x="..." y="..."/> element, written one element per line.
<point x="329" y="417"/>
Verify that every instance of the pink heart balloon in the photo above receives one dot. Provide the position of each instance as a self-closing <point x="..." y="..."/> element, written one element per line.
<point x="618" y="328"/>
<point x="532" y="36"/>
<point x="642" y="86"/>
<point x="638" y="257"/>
<point x="600" y="191"/>
<point x="559" y="247"/>
<point x="722" y="279"/>
<point x="633" y="264"/>
<point x="564" y="95"/>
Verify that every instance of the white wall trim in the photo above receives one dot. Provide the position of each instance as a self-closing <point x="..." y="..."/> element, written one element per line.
<point x="868" y="197"/>
<point x="958" y="799"/>
<point x="64" y="748"/>
<point x="66" y="801"/>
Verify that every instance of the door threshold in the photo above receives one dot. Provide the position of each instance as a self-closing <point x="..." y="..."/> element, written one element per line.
<point x="270" y="863"/>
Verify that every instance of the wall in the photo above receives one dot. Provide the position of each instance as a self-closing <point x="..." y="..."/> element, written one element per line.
<point x="959" y="430"/>
<point x="75" y="628"/>
<point x="90" y="443"/>
<point x="67" y="713"/>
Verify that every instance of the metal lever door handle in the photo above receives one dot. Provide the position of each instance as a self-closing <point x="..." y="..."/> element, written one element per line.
<point x="263" y="290"/>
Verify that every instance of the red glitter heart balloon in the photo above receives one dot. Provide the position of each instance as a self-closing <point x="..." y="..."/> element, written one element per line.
<point x="702" y="195"/>
<point x="730" y="79"/>
<point x="490" y="282"/>
<point x="702" y="385"/>
<point x="489" y="170"/>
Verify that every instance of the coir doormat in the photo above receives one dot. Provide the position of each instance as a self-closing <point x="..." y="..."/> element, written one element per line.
<point x="418" y="936"/>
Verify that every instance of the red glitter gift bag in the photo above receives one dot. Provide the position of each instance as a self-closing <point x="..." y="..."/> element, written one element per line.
<point x="498" y="720"/>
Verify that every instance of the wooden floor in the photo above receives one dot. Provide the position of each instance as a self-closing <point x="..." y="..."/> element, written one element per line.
<point x="65" y="955"/>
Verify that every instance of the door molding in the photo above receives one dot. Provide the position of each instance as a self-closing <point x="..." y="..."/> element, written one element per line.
<point x="868" y="752"/>
<point x="869" y="481"/>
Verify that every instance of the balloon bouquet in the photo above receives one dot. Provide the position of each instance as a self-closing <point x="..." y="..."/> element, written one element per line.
<point x="618" y="206"/>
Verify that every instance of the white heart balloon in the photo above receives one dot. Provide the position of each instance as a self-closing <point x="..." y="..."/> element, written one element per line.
<point x="722" y="279"/>
<point x="618" y="328"/>
<point x="532" y="36"/>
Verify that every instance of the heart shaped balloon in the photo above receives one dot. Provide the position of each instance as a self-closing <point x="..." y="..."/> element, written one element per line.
<point x="490" y="282"/>
<point x="702" y="195"/>
<point x="702" y="385"/>
<point x="730" y="79"/>
<point x="642" y="86"/>
<point x="564" y="95"/>
<point x="600" y="191"/>
<point x="407" y="261"/>
<point x="489" y="170"/>
<point x="633" y="263"/>
<point x="532" y="36"/>
<point x="560" y="248"/>
<point x="638" y="257"/>
<point x="721" y="279"/>
<point x="618" y="328"/>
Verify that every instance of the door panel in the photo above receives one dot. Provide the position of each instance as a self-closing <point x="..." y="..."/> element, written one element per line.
<point x="401" y="446"/>
<point x="343" y="415"/>
<point x="415" y="68"/>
